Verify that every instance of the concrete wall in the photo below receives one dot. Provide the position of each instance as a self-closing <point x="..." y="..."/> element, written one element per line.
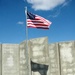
<point x="24" y="59"/>
<point x="39" y="55"/>
<point x="39" y="50"/>
<point x="10" y="59"/>
<point x="62" y="58"/>
<point x="54" y="59"/>
<point x="42" y="58"/>
<point x="67" y="58"/>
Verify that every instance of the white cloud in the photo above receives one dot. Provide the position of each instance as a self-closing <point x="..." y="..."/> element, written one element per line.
<point x="46" y="4"/>
<point x="56" y="13"/>
<point x="20" y="22"/>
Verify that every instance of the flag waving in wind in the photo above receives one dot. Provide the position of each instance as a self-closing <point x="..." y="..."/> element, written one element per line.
<point x="36" y="21"/>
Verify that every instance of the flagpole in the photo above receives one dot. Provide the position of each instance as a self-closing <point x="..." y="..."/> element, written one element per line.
<point x="27" y="51"/>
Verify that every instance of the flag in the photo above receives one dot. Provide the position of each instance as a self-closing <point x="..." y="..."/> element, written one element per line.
<point x="36" y="21"/>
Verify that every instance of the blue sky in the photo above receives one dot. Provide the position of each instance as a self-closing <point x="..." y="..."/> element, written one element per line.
<point x="13" y="20"/>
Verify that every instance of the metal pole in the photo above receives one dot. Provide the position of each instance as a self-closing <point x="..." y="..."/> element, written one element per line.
<point x="27" y="51"/>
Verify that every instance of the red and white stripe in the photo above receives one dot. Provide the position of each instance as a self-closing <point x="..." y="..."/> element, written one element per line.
<point x="38" y="22"/>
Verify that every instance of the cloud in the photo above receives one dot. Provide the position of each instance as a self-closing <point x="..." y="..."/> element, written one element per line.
<point x="20" y="22"/>
<point x="56" y="13"/>
<point x="46" y="4"/>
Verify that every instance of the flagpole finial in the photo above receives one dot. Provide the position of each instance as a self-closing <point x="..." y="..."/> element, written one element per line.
<point x="25" y="9"/>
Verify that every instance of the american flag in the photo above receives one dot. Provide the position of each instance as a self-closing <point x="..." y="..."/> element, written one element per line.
<point x="36" y="21"/>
